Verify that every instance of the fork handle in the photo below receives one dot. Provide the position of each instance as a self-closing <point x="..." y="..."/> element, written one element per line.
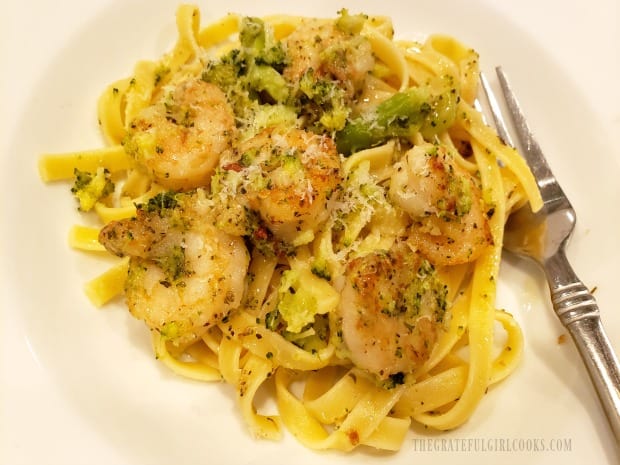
<point x="578" y="311"/>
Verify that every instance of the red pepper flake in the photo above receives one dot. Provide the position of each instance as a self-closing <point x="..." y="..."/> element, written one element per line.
<point x="233" y="167"/>
<point x="354" y="437"/>
<point x="261" y="234"/>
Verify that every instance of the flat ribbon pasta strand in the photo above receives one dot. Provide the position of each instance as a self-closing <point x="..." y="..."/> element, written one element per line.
<point x="140" y="91"/>
<point x="187" y="46"/>
<point x="364" y="423"/>
<point x="387" y="51"/>
<point x="434" y="392"/>
<point x="510" y="355"/>
<point x="260" y="341"/>
<point x="458" y="326"/>
<point x="193" y="370"/>
<point x="107" y="285"/>
<point x="58" y="167"/>
<point x="482" y="133"/>
<point x="85" y="238"/>
<point x="482" y="311"/>
<point x="111" y="111"/>
<point x="466" y="60"/>
<point x="255" y="372"/>
<point x="218" y="31"/>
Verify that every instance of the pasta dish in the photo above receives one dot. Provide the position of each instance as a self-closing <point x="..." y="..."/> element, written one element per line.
<point x="312" y="209"/>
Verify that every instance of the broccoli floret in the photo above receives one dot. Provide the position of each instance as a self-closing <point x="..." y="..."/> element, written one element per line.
<point x="394" y="380"/>
<point x="89" y="188"/>
<point x="252" y="34"/>
<point x="264" y="116"/>
<point x="321" y="269"/>
<point x="263" y="78"/>
<point x="257" y="42"/>
<point x="362" y="198"/>
<point x="266" y="59"/>
<point x="251" y="73"/>
<point x="351" y="24"/>
<point x="161" y="203"/>
<point x="171" y="330"/>
<point x="326" y="101"/>
<point x="274" y="56"/>
<point x="302" y="296"/>
<point x="226" y="71"/>
<point x="173" y="263"/>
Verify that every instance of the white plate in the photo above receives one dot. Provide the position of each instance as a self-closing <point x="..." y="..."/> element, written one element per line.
<point x="81" y="385"/>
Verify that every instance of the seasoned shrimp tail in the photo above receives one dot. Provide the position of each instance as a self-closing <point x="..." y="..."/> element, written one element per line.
<point x="180" y="138"/>
<point x="290" y="177"/>
<point x="331" y="51"/>
<point x="185" y="274"/>
<point x="450" y="224"/>
<point x="393" y="307"/>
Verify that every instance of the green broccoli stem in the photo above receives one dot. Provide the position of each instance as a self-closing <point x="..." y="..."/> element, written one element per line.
<point x="429" y="110"/>
<point x="399" y="116"/>
<point x="404" y="109"/>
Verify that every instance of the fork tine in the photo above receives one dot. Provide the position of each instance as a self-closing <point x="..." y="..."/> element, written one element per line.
<point x="551" y="192"/>
<point x="530" y="148"/>
<point x="496" y="111"/>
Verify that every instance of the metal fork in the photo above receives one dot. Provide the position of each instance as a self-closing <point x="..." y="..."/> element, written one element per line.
<point x="543" y="236"/>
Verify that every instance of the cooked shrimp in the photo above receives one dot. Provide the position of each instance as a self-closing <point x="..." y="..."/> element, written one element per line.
<point x="392" y="308"/>
<point x="291" y="178"/>
<point x="450" y="222"/>
<point x="180" y="138"/>
<point x="330" y="52"/>
<point x="185" y="275"/>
